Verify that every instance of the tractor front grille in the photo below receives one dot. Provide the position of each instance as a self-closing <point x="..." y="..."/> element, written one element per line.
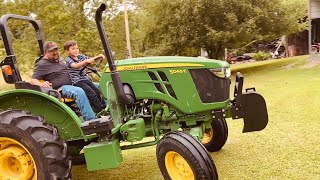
<point x="210" y="87"/>
<point x="158" y="85"/>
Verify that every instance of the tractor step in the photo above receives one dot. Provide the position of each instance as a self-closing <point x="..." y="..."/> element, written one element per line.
<point x="101" y="125"/>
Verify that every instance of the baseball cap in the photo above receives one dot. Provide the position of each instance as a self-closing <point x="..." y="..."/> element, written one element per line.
<point x="49" y="46"/>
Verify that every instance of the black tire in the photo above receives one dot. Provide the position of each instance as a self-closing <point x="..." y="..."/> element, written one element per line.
<point x="39" y="141"/>
<point x="78" y="159"/>
<point x="217" y="137"/>
<point x="179" y="149"/>
<point x="74" y="149"/>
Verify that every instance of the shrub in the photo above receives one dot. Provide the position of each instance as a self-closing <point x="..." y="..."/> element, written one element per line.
<point x="261" y="56"/>
<point x="237" y="52"/>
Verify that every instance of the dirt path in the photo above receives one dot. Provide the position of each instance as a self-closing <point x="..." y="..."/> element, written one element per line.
<point x="314" y="61"/>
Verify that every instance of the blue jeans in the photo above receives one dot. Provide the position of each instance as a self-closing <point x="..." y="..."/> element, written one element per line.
<point x="81" y="99"/>
<point x="98" y="86"/>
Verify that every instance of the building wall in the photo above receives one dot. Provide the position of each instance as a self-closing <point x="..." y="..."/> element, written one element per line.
<point x="297" y="44"/>
<point x="314" y="9"/>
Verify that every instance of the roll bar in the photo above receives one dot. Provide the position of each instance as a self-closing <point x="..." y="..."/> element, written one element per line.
<point x="10" y="61"/>
<point x="5" y="36"/>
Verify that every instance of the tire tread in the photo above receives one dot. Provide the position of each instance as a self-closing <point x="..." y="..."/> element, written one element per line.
<point x="44" y="136"/>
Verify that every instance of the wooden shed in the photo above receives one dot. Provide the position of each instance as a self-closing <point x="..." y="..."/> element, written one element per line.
<point x="302" y="43"/>
<point x="314" y="23"/>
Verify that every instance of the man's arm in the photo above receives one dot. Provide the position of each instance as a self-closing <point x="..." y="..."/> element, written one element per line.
<point x="37" y="82"/>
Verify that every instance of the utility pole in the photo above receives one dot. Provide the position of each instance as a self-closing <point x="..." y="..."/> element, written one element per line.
<point x="128" y="55"/>
<point x="309" y="27"/>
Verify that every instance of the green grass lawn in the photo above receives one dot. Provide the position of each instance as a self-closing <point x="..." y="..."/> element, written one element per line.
<point x="288" y="148"/>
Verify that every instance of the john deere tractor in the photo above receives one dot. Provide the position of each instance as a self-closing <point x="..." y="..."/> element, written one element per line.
<point x="179" y="104"/>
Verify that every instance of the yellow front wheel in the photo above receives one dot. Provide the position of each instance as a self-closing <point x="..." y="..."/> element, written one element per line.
<point x="177" y="166"/>
<point x="31" y="149"/>
<point x="182" y="157"/>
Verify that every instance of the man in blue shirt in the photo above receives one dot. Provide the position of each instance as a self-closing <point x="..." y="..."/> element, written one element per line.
<point x="53" y="70"/>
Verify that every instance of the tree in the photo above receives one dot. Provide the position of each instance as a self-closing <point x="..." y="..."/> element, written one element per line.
<point x="56" y="21"/>
<point x="180" y="25"/>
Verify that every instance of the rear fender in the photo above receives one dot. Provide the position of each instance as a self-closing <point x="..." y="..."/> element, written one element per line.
<point x="54" y="112"/>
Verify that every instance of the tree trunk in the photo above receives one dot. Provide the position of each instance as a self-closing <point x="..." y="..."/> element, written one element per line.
<point x="216" y="52"/>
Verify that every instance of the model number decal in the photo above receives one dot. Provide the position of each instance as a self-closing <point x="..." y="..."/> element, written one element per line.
<point x="178" y="71"/>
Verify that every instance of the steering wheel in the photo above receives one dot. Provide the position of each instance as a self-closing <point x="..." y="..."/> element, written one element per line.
<point x="94" y="69"/>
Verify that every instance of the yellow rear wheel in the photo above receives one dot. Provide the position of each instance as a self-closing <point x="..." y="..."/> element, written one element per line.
<point x="207" y="136"/>
<point x="31" y="149"/>
<point x="215" y="138"/>
<point x="16" y="162"/>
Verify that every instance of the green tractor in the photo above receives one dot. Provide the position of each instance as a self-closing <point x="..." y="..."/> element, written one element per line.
<point x="179" y="104"/>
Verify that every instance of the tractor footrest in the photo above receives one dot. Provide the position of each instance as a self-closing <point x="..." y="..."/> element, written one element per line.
<point x="102" y="125"/>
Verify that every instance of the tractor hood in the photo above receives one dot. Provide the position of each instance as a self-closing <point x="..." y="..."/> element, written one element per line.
<point x="167" y="62"/>
<point x="190" y="84"/>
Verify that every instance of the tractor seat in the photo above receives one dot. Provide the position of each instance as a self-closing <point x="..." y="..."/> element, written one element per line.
<point x="65" y="100"/>
<point x="49" y="91"/>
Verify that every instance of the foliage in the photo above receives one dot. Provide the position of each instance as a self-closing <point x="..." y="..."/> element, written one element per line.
<point x="2" y="52"/>
<point x="159" y="27"/>
<point x="215" y="25"/>
<point x="60" y="21"/>
<point x="237" y="52"/>
<point x="261" y="56"/>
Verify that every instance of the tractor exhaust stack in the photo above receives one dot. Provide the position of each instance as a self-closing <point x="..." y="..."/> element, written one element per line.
<point x="123" y="98"/>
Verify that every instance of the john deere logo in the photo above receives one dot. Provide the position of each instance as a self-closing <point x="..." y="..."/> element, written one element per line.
<point x="131" y="68"/>
<point x="153" y="66"/>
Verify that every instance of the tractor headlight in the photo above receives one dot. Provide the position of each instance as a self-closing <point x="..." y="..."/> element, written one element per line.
<point x="221" y="72"/>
